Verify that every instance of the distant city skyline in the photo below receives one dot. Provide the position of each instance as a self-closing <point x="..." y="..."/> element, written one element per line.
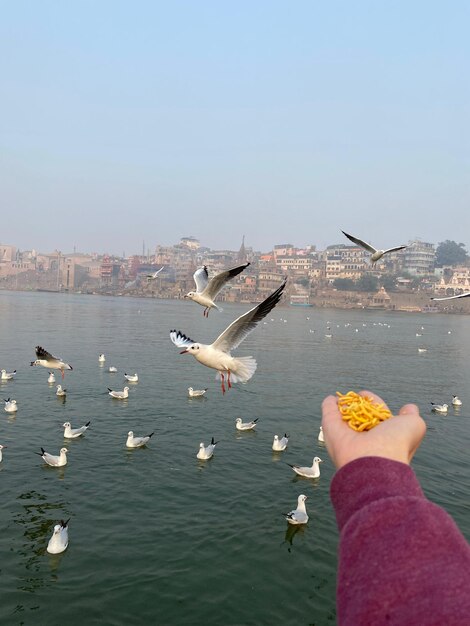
<point x="287" y="123"/>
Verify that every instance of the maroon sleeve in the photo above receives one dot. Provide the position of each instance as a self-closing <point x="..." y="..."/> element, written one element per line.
<point x="402" y="559"/>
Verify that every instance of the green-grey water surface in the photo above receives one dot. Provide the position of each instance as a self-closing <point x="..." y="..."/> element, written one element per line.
<point x="158" y="537"/>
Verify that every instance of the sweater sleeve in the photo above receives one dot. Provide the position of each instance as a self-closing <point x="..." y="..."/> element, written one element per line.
<point x="402" y="559"/>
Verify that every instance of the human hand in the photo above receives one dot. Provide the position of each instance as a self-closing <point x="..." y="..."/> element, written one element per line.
<point x="397" y="438"/>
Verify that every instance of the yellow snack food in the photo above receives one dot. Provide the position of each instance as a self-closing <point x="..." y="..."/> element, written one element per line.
<point x="361" y="412"/>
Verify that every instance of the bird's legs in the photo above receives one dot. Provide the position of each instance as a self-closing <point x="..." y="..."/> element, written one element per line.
<point x="63" y="374"/>
<point x="222" y="382"/>
<point x="228" y="379"/>
<point x="206" y="311"/>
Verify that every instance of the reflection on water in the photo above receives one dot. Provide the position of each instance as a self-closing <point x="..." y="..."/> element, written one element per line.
<point x="37" y="519"/>
<point x="291" y="531"/>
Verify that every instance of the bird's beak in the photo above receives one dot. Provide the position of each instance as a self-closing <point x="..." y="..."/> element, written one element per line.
<point x="183" y="351"/>
<point x="32" y="363"/>
<point x="185" y="296"/>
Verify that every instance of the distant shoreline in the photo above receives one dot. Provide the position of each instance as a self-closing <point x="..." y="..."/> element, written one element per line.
<point x="327" y="299"/>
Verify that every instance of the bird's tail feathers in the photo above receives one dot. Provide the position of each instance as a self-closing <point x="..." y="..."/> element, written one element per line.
<point x="243" y="369"/>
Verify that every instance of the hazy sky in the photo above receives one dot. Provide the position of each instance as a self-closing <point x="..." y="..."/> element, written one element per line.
<point x="284" y="121"/>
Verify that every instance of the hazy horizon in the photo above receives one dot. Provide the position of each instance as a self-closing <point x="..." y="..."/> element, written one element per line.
<point x="285" y="123"/>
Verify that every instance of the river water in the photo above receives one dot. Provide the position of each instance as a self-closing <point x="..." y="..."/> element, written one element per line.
<point x="158" y="537"/>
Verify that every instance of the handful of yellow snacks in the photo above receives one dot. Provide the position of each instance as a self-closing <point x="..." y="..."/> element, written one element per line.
<point x="361" y="412"/>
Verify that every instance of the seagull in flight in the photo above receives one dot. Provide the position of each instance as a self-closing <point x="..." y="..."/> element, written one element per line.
<point x="46" y="359"/>
<point x="153" y="276"/>
<point x="217" y="355"/>
<point x="60" y="538"/>
<point x="207" y="290"/>
<point x="376" y="254"/>
<point x="299" y="515"/>
<point x="461" y="295"/>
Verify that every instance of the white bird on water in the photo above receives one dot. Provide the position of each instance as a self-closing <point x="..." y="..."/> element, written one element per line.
<point x="112" y="369"/>
<point x="101" y="358"/>
<point x="61" y="393"/>
<point x="456" y="401"/>
<point x="245" y="425"/>
<point x="120" y="395"/>
<point x="218" y="354"/>
<point x="53" y="460"/>
<point x="205" y="453"/>
<point x="376" y="255"/>
<point x="1" y="448"/>
<point x="196" y="393"/>
<point x="439" y="408"/>
<point x="46" y="359"/>
<point x="8" y="375"/>
<point x="137" y="442"/>
<point x="132" y="378"/>
<point x="154" y="275"/>
<point x="299" y="515"/>
<point x="10" y="406"/>
<point x="207" y="290"/>
<point x="60" y="538"/>
<point x="73" y="433"/>
<point x="321" y="436"/>
<point x="51" y="378"/>
<point x="280" y="444"/>
<point x="308" y="472"/>
<point x="461" y="295"/>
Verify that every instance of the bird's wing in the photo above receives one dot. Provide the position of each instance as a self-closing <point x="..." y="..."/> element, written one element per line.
<point x="180" y="339"/>
<point x="361" y="243"/>
<point x="243" y="325"/>
<point x="201" y="278"/>
<point x="216" y="283"/>
<point x="45" y="355"/>
<point x="395" y="249"/>
<point x="50" y="458"/>
<point x="155" y="274"/>
<point x="462" y="295"/>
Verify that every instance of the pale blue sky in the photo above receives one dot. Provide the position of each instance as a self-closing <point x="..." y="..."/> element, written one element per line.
<point x="283" y="121"/>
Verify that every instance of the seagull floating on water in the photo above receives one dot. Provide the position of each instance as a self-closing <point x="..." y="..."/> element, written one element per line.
<point x="137" y="442"/>
<point x="61" y="393"/>
<point x="245" y="425"/>
<point x="456" y="401"/>
<point x="51" y="378"/>
<point x="376" y="255"/>
<point x="218" y="354"/>
<point x="308" y="472"/>
<point x="132" y="378"/>
<point x="439" y="408"/>
<point x="1" y="448"/>
<point x="280" y="444"/>
<point x="101" y="358"/>
<point x="120" y="395"/>
<point x="46" y="359"/>
<point x="207" y="290"/>
<point x="7" y="375"/>
<point x="196" y="393"/>
<point x="204" y="454"/>
<point x="299" y="515"/>
<point x="461" y="295"/>
<point x="60" y="538"/>
<point x="73" y="433"/>
<point x="10" y="406"/>
<point x="53" y="460"/>
<point x="112" y="369"/>
<point x="321" y="436"/>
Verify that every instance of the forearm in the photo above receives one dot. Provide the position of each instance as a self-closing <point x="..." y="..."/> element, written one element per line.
<point x="402" y="559"/>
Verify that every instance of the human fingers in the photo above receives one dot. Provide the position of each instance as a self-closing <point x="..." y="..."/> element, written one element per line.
<point x="416" y="427"/>
<point x="372" y="395"/>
